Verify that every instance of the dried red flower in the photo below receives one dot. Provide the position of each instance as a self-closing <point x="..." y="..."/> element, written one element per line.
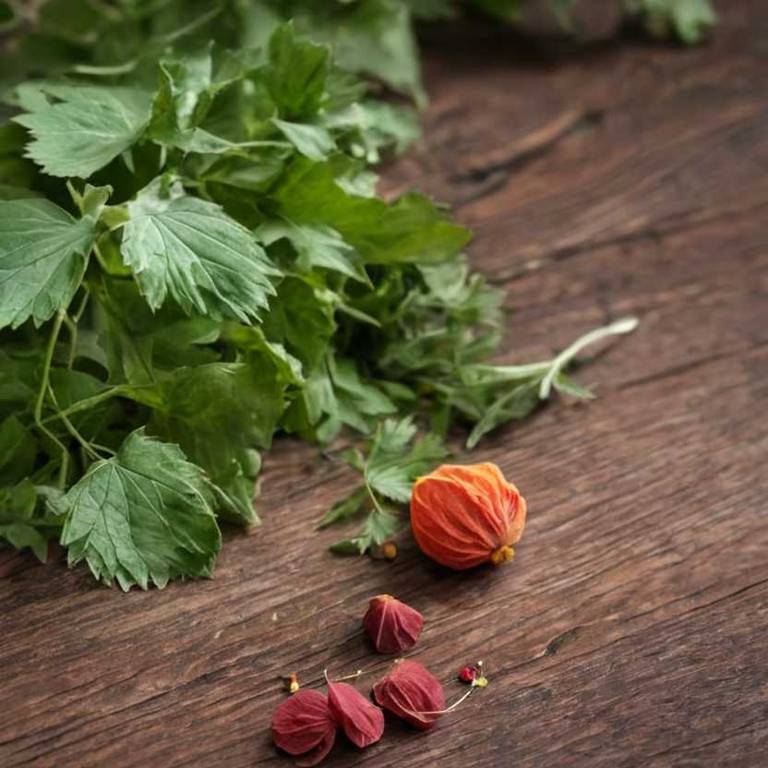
<point x="392" y="625"/>
<point x="362" y="721"/>
<point x="463" y="516"/>
<point x="303" y="725"/>
<point x="411" y="692"/>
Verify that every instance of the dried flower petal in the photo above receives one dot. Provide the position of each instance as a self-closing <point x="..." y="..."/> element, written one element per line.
<point x="463" y="516"/>
<point x="318" y="753"/>
<point x="411" y="692"/>
<point x="362" y="721"/>
<point x="303" y="725"/>
<point x="392" y="625"/>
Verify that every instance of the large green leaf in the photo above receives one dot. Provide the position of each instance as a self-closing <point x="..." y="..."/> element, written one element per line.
<point x="220" y="413"/>
<point x="412" y="229"/>
<point x="142" y="516"/>
<point x="43" y="254"/>
<point x="189" y="248"/>
<point x="78" y="129"/>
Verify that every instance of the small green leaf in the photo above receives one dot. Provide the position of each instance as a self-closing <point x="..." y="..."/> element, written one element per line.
<point x="312" y="141"/>
<point x="565" y="385"/>
<point x="317" y="247"/>
<point x="142" y="516"/>
<point x="296" y="73"/>
<point x="392" y="468"/>
<point x="22" y="524"/>
<point x="345" y="509"/>
<point x="78" y="129"/>
<point x="43" y="255"/>
<point x="189" y="248"/>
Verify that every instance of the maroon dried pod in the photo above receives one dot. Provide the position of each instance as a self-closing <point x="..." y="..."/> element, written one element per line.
<point x="392" y="625"/>
<point x="303" y="725"/>
<point x="411" y="692"/>
<point x="362" y="721"/>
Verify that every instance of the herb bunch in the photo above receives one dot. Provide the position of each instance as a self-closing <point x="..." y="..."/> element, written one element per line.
<point x="193" y="259"/>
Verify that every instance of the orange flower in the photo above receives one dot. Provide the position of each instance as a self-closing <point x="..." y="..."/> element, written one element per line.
<point x="463" y="516"/>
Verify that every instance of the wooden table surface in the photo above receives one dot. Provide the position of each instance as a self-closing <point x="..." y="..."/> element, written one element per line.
<point x="623" y="178"/>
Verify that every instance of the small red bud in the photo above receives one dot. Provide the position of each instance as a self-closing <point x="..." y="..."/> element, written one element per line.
<point x="362" y="722"/>
<point x="411" y="692"/>
<point x="389" y="550"/>
<point x="468" y="674"/>
<point x="392" y="625"/>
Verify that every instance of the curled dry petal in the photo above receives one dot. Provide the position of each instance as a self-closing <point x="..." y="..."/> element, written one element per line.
<point x="411" y="692"/>
<point x="303" y="725"/>
<point x="463" y="516"/>
<point x="361" y="721"/>
<point x="392" y="625"/>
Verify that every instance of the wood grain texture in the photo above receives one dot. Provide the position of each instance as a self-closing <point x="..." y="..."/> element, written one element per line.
<point x="630" y="630"/>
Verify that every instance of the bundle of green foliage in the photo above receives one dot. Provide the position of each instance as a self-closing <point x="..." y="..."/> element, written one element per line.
<point x="193" y="259"/>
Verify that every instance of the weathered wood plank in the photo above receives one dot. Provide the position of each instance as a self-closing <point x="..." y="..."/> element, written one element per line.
<point x="629" y="629"/>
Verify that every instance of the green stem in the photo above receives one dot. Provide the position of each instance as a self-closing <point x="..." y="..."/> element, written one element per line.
<point x="373" y="497"/>
<point x="73" y="430"/>
<point x="44" y="386"/>
<point x="625" y="325"/>
<point x="72" y="325"/>
<point x="89" y="402"/>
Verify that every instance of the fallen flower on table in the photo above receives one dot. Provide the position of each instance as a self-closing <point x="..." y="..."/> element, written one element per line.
<point x="463" y="516"/>
<point x="361" y="721"/>
<point x="410" y="691"/>
<point x="304" y="726"/>
<point x="392" y="625"/>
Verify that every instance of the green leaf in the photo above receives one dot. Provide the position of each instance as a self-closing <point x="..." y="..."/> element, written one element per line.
<point x="18" y="449"/>
<point x="375" y="37"/>
<point x="302" y="320"/>
<point x="516" y="403"/>
<point x="182" y="95"/>
<point x="296" y="73"/>
<point x="380" y="526"/>
<point x="43" y="255"/>
<point x="219" y="413"/>
<point x="411" y="229"/>
<point x="392" y="465"/>
<point x="313" y="141"/>
<point x="189" y="248"/>
<point x="142" y="516"/>
<point x="21" y="524"/>
<point x="317" y="247"/>
<point x="565" y="385"/>
<point x="391" y="468"/>
<point x="345" y="509"/>
<point x="78" y="129"/>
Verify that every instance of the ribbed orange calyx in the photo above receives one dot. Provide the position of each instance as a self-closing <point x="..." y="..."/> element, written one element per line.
<point x="463" y="516"/>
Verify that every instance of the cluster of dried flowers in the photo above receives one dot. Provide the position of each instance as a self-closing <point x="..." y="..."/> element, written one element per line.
<point x="306" y="724"/>
<point x="462" y="516"/>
